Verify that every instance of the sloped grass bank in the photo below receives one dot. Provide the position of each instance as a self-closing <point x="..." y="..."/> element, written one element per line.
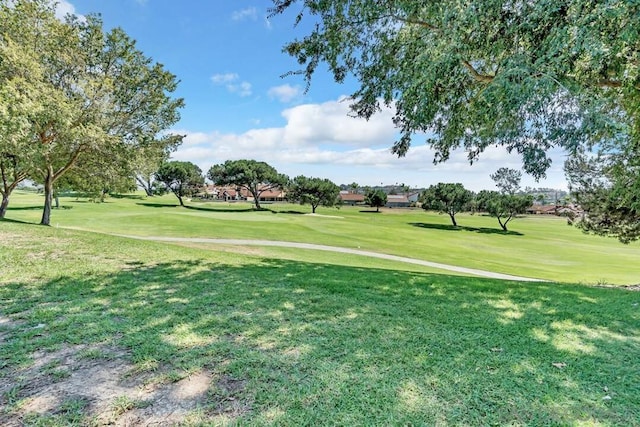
<point x="303" y="343"/>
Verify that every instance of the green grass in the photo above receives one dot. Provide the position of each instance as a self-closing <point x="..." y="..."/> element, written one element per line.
<point x="311" y="343"/>
<point x="536" y="246"/>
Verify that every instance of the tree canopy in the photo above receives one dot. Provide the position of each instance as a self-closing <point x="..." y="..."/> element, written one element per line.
<point x="74" y="92"/>
<point x="375" y="198"/>
<point x="506" y="204"/>
<point x="504" y="207"/>
<point x="183" y="179"/>
<point x="527" y="76"/>
<point x="607" y="187"/>
<point x="524" y="75"/>
<point x="446" y="198"/>
<point x="507" y="180"/>
<point x="314" y="191"/>
<point x="148" y="159"/>
<point x="254" y="176"/>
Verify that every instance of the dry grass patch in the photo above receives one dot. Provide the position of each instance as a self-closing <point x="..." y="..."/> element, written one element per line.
<point x="101" y="390"/>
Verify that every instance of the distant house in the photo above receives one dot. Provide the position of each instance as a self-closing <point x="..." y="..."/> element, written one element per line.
<point x="273" y="195"/>
<point x="351" y="199"/>
<point x="223" y="193"/>
<point x="569" y="210"/>
<point x="397" y="201"/>
<point x="542" y="210"/>
<point x="414" y="196"/>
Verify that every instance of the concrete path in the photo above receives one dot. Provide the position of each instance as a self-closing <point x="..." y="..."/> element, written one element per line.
<point x="240" y="242"/>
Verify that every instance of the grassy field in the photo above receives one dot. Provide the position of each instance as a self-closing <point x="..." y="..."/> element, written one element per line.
<point x="536" y="246"/>
<point x="204" y="337"/>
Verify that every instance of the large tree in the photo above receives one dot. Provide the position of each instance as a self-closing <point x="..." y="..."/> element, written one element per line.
<point x="507" y="203"/>
<point x="607" y="187"/>
<point x="504" y="207"/>
<point x="16" y="104"/>
<point x="315" y="191"/>
<point x="83" y="92"/>
<point x="183" y="179"/>
<point x="375" y="198"/>
<point x="525" y="75"/>
<point x="446" y="198"/>
<point x="254" y="176"/>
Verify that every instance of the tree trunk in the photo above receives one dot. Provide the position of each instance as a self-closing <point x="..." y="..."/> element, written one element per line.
<point x="8" y="188"/>
<point x="256" y="198"/>
<point x="453" y="219"/>
<point x="377" y="208"/>
<point x="503" y="225"/>
<point x="313" y="208"/>
<point x="4" y="205"/>
<point x="180" y="200"/>
<point x="48" y="197"/>
<point x="146" y="186"/>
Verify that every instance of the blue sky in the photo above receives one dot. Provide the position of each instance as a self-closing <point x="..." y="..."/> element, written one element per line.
<point x="228" y="58"/>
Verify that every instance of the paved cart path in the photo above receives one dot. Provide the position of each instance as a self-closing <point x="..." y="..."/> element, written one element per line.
<point x="242" y="242"/>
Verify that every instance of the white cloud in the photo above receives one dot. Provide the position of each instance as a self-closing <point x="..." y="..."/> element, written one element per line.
<point x="322" y="140"/>
<point x="243" y="88"/>
<point x="64" y="8"/>
<point x="232" y="83"/>
<point x="224" y="78"/>
<point x="330" y="123"/>
<point x="250" y="13"/>
<point x="285" y="93"/>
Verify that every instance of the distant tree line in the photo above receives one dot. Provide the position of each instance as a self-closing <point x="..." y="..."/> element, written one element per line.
<point x="185" y="179"/>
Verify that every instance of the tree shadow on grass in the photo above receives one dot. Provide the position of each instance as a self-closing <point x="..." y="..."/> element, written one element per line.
<point x="370" y="211"/>
<point x="24" y="208"/>
<point x="215" y="209"/>
<point x="288" y="212"/>
<point x="311" y="342"/>
<point x="16" y="221"/>
<point x="128" y="196"/>
<point x="197" y="208"/>
<point x="449" y="227"/>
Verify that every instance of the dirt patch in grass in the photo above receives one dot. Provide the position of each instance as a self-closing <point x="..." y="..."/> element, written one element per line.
<point x="6" y="325"/>
<point x="98" y="385"/>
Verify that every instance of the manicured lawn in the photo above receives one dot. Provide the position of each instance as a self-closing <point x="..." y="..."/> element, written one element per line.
<point x="536" y="246"/>
<point x="284" y="342"/>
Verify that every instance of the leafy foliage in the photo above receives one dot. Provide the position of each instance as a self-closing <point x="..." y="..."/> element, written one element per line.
<point x="507" y="180"/>
<point x="446" y="198"/>
<point x="375" y="198"/>
<point x="182" y="178"/>
<point x="149" y="158"/>
<point x="74" y="92"/>
<point x="504" y="207"/>
<point x="506" y="204"/>
<point x="607" y="187"/>
<point x="256" y="177"/>
<point x="527" y="76"/>
<point x="97" y="177"/>
<point x="315" y="191"/>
